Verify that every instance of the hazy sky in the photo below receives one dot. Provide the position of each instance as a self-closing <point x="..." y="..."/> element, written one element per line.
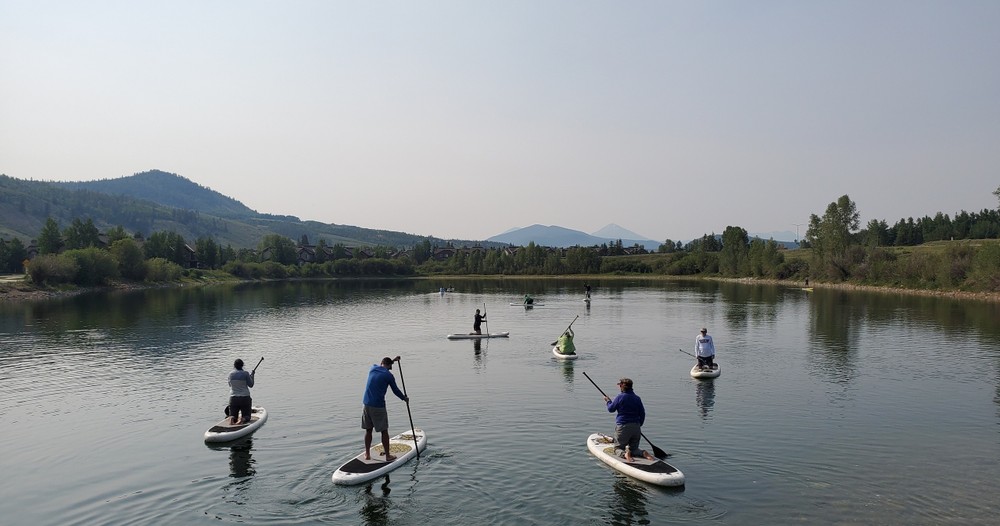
<point x="463" y="119"/>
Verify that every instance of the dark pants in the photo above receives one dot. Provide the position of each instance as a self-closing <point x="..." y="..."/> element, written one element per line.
<point x="240" y="404"/>
<point x="708" y="361"/>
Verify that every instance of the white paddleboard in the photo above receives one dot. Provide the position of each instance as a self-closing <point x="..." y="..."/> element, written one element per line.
<point x="561" y="356"/>
<point x="224" y="431"/>
<point x="653" y="471"/>
<point x="698" y="372"/>
<point x="503" y="334"/>
<point x="358" y="470"/>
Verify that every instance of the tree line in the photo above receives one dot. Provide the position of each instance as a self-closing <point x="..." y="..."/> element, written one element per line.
<point x="839" y="251"/>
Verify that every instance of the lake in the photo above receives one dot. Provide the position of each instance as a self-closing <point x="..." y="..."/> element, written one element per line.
<point x="832" y="407"/>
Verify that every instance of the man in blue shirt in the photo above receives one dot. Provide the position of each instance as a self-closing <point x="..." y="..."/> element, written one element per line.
<point x="628" y="423"/>
<point x="374" y="415"/>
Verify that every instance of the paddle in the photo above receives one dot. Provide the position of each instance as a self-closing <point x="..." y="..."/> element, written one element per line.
<point x="484" y="319"/>
<point x="226" y="410"/>
<point x="408" y="413"/>
<point x="687" y="353"/>
<point x="567" y="328"/>
<point x="657" y="452"/>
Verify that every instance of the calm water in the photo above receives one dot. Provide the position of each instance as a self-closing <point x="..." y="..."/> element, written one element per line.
<point x="831" y="408"/>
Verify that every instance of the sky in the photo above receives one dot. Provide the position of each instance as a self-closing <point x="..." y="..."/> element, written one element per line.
<point x="465" y="119"/>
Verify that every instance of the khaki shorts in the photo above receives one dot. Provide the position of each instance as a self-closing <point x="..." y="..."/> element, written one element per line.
<point x="376" y="418"/>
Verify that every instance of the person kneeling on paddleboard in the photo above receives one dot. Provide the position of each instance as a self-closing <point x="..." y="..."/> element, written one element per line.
<point x="240" y="383"/>
<point x="373" y="414"/>
<point x="704" y="348"/>
<point x="628" y="423"/>
<point x="565" y="343"/>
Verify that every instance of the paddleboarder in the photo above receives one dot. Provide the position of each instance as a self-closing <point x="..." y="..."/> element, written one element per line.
<point x="586" y="288"/>
<point x="374" y="415"/>
<point x="628" y="423"/>
<point x="565" y="342"/>
<point x="704" y="350"/>
<point x="477" y="322"/>
<point x="240" y="383"/>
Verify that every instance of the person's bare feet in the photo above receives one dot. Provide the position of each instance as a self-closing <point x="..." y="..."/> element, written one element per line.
<point x="389" y="458"/>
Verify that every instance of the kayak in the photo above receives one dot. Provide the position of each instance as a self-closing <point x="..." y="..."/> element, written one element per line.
<point x="225" y="431"/>
<point x="561" y="356"/>
<point x="698" y="372"/>
<point x="358" y="470"/>
<point x="653" y="471"/>
<point x="503" y="334"/>
<point x="527" y="305"/>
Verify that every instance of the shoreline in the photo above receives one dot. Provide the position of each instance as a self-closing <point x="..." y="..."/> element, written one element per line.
<point x="14" y="289"/>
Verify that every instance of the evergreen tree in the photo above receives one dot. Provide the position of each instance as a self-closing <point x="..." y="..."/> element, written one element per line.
<point x="50" y="239"/>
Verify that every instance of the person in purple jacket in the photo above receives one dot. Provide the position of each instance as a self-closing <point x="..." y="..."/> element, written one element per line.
<point x="373" y="414"/>
<point x="628" y="423"/>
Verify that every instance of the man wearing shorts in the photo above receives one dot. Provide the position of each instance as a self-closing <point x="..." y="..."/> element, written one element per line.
<point x="374" y="415"/>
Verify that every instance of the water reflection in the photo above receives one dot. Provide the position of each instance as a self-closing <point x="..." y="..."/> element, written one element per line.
<point x="567" y="370"/>
<point x="375" y="508"/>
<point x="835" y="320"/>
<point x="704" y="397"/>
<point x="241" y="462"/>
<point x="628" y="503"/>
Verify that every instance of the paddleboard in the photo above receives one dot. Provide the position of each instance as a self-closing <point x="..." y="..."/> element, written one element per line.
<point x="561" y="356"/>
<point x="586" y="300"/>
<point x="224" y="431"/>
<point x="527" y="305"/>
<point x="653" y="471"/>
<point x="697" y="372"/>
<point x="358" y="470"/>
<point x="503" y="334"/>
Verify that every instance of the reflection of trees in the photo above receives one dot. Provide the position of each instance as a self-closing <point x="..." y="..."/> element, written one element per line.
<point x="375" y="508"/>
<point x="705" y="396"/>
<point x="628" y="505"/>
<point x="743" y="303"/>
<point x="834" y="326"/>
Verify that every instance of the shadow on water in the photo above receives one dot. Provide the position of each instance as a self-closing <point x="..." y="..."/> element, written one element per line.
<point x="567" y="370"/>
<point x="705" y="396"/>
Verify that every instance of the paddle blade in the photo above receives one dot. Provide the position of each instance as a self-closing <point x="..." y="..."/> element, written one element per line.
<point x="657" y="452"/>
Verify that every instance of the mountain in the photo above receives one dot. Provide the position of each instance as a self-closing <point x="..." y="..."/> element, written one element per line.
<point x="557" y="236"/>
<point x="613" y="231"/>
<point x="156" y="201"/>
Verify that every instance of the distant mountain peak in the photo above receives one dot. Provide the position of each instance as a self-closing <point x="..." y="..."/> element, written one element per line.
<point x="613" y="231"/>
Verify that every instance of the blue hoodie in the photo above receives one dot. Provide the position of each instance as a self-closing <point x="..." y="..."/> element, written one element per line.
<point x="379" y="380"/>
<point x="629" y="407"/>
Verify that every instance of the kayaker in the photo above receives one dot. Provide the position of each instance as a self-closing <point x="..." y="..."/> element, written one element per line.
<point x="240" y="383"/>
<point x="528" y="300"/>
<point x="704" y="350"/>
<point x="628" y="423"/>
<point x="373" y="414"/>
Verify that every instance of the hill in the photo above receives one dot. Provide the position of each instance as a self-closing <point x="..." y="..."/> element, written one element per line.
<point x="159" y="201"/>
<point x="557" y="236"/>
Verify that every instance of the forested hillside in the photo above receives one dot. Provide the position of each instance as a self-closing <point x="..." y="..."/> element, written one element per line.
<point x="158" y="201"/>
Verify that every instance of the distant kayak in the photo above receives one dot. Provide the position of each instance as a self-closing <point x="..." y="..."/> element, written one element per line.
<point x="224" y="431"/>
<point x="653" y="471"/>
<point x="358" y="470"/>
<point x="528" y="305"/>
<point x="503" y="334"/>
